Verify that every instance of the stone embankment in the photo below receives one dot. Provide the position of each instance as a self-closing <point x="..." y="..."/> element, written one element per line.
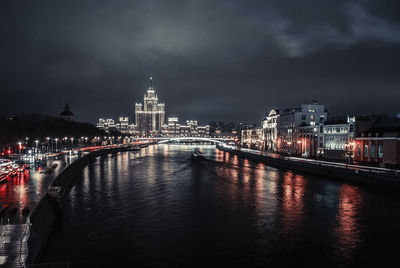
<point x="40" y="222"/>
<point x="366" y="175"/>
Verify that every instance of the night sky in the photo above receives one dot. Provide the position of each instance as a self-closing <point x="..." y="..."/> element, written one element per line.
<point x="210" y="60"/>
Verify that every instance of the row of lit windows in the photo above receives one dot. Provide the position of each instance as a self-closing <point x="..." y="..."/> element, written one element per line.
<point x="372" y="152"/>
<point x="335" y="147"/>
<point x="339" y="129"/>
<point x="335" y="138"/>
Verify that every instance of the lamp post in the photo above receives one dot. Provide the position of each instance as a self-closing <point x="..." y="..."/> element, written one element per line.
<point x="72" y="142"/>
<point x="36" y="143"/>
<point x="48" y="143"/>
<point x="349" y="152"/>
<point x="298" y="144"/>
<point x="56" y="139"/>
<point x="19" y="147"/>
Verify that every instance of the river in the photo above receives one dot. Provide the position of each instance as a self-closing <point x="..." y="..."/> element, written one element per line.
<point x="156" y="208"/>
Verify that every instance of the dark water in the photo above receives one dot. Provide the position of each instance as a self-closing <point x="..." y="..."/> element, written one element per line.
<point x="156" y="208"/>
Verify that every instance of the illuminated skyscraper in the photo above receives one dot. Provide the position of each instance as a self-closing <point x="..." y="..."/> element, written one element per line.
<point x="150" y="116"/>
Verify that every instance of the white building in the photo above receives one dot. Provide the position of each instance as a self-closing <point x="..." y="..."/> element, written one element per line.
<point x="123" y="124"/>
<point x="270" y="129"/>
<point x="106" y="124"/>
<point x="191" y="129"/>
<point x="298" y="129"/>
<point x="339" y="137"/>
<point x="150" y="116"/>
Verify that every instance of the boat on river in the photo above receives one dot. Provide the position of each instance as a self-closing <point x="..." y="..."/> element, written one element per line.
<point x="197" y="155"/>
<point x="50" y="169"/>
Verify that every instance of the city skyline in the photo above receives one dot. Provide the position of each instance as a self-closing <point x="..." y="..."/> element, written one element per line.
<point x="344" y="54"/>
<point x="269" y="137"/>
<point x="150" y="121"/>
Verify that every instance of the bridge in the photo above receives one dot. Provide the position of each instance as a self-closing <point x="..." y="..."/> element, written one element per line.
<point x="161" y="140"/>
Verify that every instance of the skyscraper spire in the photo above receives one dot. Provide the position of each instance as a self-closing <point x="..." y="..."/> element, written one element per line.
<point x="151" y="82"/>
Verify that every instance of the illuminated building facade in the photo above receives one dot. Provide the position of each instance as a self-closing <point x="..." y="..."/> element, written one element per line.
<point x="339" y="137"/>
<point x="270" y="129"/>
<point x="253" y="138"/>
<point x="150" y="115"/>
<point x="150" y="121"/>
<point x="191" y="129"/>
<point x="380" y="143"/>
<point x="106" y="124"/>
<point x="299" y="130"/>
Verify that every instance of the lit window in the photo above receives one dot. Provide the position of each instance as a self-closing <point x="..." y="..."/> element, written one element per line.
<point x="373" y="151"/>
<point x="358" y="150"/>
<point x="365" y="150"/>
<point x="380" y="150"/>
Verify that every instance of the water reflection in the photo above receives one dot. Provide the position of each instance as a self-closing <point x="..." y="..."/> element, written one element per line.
<point x="292" y="201"/>
<point x="349" y="207"/>
<point x="158" y="208"/>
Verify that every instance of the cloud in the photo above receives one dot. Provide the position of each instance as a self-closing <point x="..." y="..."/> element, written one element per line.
<point x="362" y="26"/>
<point x="209" y="59"/>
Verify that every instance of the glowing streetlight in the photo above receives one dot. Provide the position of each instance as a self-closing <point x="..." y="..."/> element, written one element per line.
<point x="48" y="143"/>
<point x="56" y="139"/>
<point x="19" y="147"/>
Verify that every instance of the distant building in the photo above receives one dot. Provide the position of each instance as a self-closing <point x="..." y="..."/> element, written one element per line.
<point x="223" y="130"/>
<point x="172" y="128"/>
<point x="253" y="138"/>
<point x="338" y="137"/>
<point x="123" y="125"/>
<point x="67" y="114"/>
<point x="380" y="144"/>
<point x="150" y="115"/>
<point x="150" y="121"/>
<point x="191" y="129"/>
<point x="299" y="130"/>
<point x="106" y="124"/>
<point x="270" y="128"/>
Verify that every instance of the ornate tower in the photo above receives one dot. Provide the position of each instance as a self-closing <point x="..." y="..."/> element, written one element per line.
<point x="150" y="116"/>
<point x="67" y="114"/>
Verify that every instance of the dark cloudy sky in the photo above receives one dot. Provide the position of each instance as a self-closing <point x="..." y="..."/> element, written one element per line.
<point x="210" y="60"/>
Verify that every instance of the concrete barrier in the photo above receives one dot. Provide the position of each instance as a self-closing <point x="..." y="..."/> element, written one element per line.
<point x="42" y="218"/>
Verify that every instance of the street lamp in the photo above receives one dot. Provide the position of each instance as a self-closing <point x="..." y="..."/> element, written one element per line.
<point x="72" y="142"/>
<point x="349" y="152"/>
<point x="19" y="147"/>
<point x="56" y="139"/>
<point x="36" y="142"/>
<point x="289" y="143"/>
<point x="48" y="143"/>
<point x="297" y="148"/>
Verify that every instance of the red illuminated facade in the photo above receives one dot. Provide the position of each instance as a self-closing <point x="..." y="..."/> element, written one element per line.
<point x="380" y="144"/>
